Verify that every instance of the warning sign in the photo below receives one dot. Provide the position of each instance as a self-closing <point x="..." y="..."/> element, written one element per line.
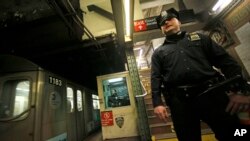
<point x="107" y="118"/>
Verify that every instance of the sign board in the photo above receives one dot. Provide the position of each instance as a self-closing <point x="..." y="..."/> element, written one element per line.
<point x="107" y="118"/>
<point x="145" y="24"/>
<point x="185" y="16"/>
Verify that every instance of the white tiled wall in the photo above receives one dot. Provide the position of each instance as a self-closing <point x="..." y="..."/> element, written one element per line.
<point x="243" y="50"/>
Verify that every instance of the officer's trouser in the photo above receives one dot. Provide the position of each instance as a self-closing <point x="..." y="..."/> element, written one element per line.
<point x="210" y="108"/>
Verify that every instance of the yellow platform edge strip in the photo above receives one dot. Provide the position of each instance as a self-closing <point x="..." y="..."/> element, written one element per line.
<point x="207" y="137"/>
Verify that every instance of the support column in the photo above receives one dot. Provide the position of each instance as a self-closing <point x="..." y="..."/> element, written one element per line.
<point x="143" y="124"/>
<point x="144" y="130"/>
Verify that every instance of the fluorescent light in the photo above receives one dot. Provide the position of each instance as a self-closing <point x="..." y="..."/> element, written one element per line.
<point x="225" y="3"/>
<point x="115" y="79"/>
<point x="127" y="17"/>
<point x="221" y="4"/>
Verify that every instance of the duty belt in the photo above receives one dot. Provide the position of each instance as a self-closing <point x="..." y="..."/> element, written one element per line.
<point x="192" y="91"/>
<point x="189" y="92"/>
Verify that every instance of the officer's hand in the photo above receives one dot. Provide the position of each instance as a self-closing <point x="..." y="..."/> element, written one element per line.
<point x="238" y="103"/>
<point x="161" y="112"/>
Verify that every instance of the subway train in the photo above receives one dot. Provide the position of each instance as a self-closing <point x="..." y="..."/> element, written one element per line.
<point x="38" y="105"/>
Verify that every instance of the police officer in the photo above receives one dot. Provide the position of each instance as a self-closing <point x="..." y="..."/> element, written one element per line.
<point x="185" y="63"/>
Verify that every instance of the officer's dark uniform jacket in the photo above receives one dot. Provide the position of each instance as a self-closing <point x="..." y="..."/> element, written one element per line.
<point x="187" y="59"/>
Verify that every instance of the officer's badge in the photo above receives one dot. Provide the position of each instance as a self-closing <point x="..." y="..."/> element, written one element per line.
<point x="164" y="13"/>
<point x="194" y="36"/>
<point x="119" y="121"/>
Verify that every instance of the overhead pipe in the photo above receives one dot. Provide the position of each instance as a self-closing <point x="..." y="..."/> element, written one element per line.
<point x="60" y="13"/>
<point x="77" y="18"/>
<point x="70" y="9"/>
<point x="59" y="10"/>
<point x="101" y="11"/>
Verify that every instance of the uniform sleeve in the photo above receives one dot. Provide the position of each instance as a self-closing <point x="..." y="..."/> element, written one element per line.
<point x="156" y="79"/>
<point x="221" y="59"/>
<point x="229" y="67"/>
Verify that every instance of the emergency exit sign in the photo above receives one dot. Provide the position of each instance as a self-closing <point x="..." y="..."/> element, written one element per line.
<point x="145" y="24"/>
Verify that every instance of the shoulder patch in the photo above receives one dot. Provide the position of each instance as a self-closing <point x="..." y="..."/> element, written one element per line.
<point x="193" y="36"/>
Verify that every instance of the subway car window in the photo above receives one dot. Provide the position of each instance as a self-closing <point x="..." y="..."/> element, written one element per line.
<point x="96" y="103"/>
<point x="79" y="100"/>
<point x="70" y="100"/>
<point x="116" y="92"/>
<point x="14" y="98"/>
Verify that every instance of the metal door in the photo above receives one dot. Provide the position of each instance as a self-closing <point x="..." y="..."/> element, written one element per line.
<point x="117" y="106"/>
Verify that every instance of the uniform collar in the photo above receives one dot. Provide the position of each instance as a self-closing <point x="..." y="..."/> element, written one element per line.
<point x="173" y="38"/>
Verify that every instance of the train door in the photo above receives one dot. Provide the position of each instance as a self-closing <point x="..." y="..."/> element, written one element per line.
<point x="88" y="110"/>
<point x="96" y="111"/>
<point x="117" y="106"/>
<point x="71" y="114"/>
<point x="53" y="108"/>
<point x="17" y="100"/>
<point x="80" y="115"/>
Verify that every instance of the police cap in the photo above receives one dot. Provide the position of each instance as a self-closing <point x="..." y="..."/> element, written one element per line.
<point x="166" y="15"/>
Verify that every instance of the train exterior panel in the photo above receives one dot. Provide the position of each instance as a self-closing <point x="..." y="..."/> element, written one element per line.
<point x="37" y="105"/>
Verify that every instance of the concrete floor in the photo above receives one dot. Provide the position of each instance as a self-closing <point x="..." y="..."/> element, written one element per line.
<point x="96" y="136"/>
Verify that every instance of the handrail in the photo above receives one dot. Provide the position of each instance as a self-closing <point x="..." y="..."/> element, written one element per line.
<point x="144" y="94"/>
<point x="18" y="116"/>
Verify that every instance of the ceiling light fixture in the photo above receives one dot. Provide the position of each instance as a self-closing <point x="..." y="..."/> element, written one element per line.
<point x="115" y="79"/>
<point x="127" y="9"/>
<point x="221" y="4"/>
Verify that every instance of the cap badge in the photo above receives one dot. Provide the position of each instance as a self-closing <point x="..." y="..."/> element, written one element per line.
<point x="164" y="13"/>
